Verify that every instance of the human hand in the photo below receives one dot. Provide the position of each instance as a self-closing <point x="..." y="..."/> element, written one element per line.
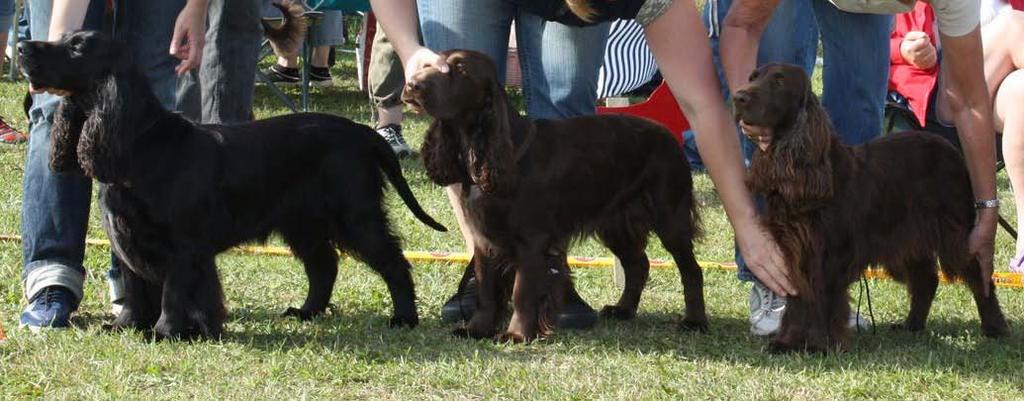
<point x="421" y="58"/>
<point x="982" y="245"/>
<point x="762" y="136"/>
<point x="764" y="258"/>
<point x="189" y="36"/>
<point x="918" y="50"/>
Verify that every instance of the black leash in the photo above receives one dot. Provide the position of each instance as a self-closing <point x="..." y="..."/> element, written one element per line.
<point x="865" y="288"/>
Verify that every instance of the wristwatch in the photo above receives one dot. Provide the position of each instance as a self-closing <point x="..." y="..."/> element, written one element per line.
<point x="987" y="204"/>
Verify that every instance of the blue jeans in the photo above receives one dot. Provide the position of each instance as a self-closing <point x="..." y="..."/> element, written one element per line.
<point x="55" y="207"/>
<point x="6" y="15"/>
<point x="856" y="65"/>
<point x="559" y="63"/>
<point x="220" y="91"/>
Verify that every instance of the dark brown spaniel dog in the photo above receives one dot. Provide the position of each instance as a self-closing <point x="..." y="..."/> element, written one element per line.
<point x="176" y="194"/>
<point x="531" y="187"/>
<point x="900" y="201"/>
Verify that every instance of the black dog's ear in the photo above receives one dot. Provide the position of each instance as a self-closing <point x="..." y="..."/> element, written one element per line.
<point x="64" y="137"/>
<point x="108" y="130"/>
<point x="491" y="157"/>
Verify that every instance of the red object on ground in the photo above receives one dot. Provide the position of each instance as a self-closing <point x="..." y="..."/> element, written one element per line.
<point x="661" y="106"/>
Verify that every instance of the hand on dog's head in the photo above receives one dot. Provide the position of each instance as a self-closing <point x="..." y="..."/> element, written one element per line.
<point x="72" y="64"/>
<point x="464" y="90"/>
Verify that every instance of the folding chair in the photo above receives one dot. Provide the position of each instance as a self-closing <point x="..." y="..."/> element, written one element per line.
<point x="899" y="117"/>
<point x="661" y="106"/>
<point x="314" y="14"/>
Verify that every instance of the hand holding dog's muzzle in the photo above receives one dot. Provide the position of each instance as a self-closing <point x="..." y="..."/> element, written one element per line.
<point x="762" y="136"/>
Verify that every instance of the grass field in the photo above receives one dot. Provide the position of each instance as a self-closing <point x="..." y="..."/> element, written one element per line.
<point x="352" y="354"/>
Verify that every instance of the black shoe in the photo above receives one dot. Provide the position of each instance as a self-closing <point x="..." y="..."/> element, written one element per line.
<point x="393" y="134"/>
<point x="452" y="312"/>
<point x="283" y="76"/>
<point x="320" y="77"/>
<point x="576" y="314"/>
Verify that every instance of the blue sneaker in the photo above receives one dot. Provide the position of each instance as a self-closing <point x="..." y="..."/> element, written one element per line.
<point x="50" y="308"/>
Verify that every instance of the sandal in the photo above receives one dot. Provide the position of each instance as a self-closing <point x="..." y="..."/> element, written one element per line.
<point x="1017" y="263"/>
<point x="9" y="135"/>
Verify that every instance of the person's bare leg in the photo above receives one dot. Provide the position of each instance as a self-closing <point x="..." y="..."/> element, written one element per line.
<point x="1003" y="53"/>
<point x="1004" y="58"/>
<point x="320" y="56"/>
<point x="1008" y="119"/>
<point x="454" y="193"/>
<point x="389" y="116"/>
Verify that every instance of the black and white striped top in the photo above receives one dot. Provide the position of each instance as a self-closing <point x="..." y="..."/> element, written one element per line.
<point x="628" y="62"/>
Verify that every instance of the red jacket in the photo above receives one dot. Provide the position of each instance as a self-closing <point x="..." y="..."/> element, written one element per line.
<point x="913" y="83"/>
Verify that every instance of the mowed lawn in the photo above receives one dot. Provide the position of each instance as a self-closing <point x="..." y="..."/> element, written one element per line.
<point x="352" y="354"/>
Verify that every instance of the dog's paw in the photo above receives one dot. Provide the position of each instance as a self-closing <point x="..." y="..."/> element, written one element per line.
<point x="617" y="312"/>
<point x="908" y="327"/>
<point x="468" y="332"/>
<point x="995" y="331"/>
<point x="404" y="321"/>
<point x="510" y="337"/>
<point x="700" y="326"/>
<point x="301" y="314"/>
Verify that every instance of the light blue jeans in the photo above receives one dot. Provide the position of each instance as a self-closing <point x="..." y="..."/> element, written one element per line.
<point x="55" y="207"/>
<point x="6" y="15"/>
<point x="856" y="64"/>
<point x="559" y="63"/>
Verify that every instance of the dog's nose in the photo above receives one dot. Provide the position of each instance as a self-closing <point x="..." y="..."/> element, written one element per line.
<point x="414" y="85"/>
<point x="740" y="98"/>
<point x="22" y="48"/>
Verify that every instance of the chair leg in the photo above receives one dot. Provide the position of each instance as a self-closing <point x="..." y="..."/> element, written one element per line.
<point x="12" y="73"/>
<point x="306" y="56"/>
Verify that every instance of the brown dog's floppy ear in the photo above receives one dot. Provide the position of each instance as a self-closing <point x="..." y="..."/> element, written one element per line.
<point x="64" y="135"/>
<point x="440" y="153"/>
<point x="491" y="161"/>
<point x="800" y="168"/>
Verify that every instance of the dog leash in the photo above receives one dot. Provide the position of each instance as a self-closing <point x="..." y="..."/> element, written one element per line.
<point x="866" y="288"/>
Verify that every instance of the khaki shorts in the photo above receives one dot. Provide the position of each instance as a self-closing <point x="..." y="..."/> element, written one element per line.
<point x="955" y="17"/>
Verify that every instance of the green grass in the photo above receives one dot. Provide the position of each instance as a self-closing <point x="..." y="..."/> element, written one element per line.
<point x="352" y="354"/>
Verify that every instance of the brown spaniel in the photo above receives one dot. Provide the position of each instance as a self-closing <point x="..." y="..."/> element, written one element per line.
<point x="901" y="201"/>
<point x="530" y="187"/>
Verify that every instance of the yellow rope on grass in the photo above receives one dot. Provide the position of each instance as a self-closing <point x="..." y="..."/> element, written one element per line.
<point x="1001" y="279"/>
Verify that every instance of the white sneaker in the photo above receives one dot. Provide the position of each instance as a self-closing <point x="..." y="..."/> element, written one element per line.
<point x="766" y="310"/>
<point x="858" y="322"/>
<point x="116" y="291"/>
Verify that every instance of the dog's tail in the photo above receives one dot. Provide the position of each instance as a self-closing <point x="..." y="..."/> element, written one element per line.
<point x="389" y="163"/>
<point x="286" y="38"/>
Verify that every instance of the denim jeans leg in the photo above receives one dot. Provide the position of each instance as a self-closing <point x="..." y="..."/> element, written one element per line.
<point x="147" y="31"/>
<point x="560" y="65"/>
<point x="221" y="90"/>
<point x="479" y="25"/>
<point x="55" y="207"/>
<point x="856" y="71"/>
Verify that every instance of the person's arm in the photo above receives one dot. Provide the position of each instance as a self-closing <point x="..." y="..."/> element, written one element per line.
<point x="67" y="16"/>
<point x="400" y="23"/>
<point x="964" y="81"/>
<point x="741" y="34"/>
<point x="691" y="76"/>
<point x="189" y="35"/>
